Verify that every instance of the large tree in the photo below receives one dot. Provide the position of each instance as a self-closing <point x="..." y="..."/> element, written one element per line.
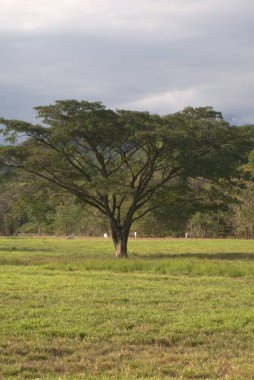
<point x="123" y="163"/>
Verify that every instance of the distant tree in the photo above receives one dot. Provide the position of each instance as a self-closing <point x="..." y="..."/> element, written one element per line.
<point x="11" y="217"/>
<point x="197" y="202"/>
<point x="68" y="215"/>
<point x="243" y="211"/>
<point x="249" y="167"/>
<point x="207" y="224"/>
<point x="39" y="211"/>
<point x="123" y="163"/>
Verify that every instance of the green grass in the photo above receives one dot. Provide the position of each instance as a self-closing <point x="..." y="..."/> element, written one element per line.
<point x="176" y="309"/>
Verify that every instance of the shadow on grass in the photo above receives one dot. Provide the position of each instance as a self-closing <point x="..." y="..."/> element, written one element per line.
<point x="135" y="261"/>
<point x="209" y="256"/>
<point x="25" y="249"/>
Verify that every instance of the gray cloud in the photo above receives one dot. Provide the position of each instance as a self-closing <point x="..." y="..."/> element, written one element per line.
<point x="157" y="56"/>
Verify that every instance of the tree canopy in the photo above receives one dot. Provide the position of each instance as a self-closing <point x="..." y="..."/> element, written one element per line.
<point x="124" y="163"/>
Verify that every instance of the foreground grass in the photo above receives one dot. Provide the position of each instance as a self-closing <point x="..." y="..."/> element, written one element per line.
<point x="175" y="309"/>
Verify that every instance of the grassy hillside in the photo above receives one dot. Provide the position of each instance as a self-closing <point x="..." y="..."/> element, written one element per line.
<point x="175" y="309"/>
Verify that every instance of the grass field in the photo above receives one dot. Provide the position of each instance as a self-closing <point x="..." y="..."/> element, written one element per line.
<point x="176" y="309"/>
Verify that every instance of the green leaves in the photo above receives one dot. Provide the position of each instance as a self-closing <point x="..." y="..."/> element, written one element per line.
<point x="124" y="163"/>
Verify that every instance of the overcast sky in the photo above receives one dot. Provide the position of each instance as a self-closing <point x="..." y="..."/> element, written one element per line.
<point x="153" y="55"/>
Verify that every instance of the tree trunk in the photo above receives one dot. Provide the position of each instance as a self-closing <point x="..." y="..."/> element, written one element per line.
<point x="218" y="225"/>
<point x="121" y="248"/>
<point x="120" y="240"/>
<point x="66" y="228"/>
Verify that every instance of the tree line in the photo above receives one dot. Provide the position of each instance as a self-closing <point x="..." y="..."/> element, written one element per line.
<point x="44" y="212"/>
<point x="87" y="170"/>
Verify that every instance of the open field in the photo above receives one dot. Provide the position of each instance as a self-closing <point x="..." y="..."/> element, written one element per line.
<point x="176" y="309"/>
